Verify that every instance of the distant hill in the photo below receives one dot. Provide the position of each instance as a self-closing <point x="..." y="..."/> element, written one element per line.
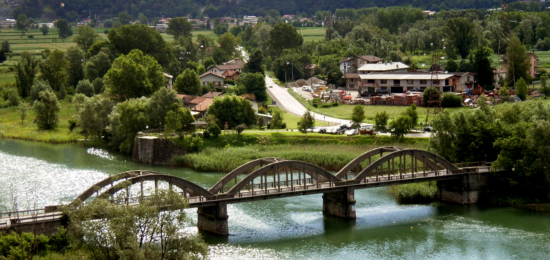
<point x="77" y="9"/>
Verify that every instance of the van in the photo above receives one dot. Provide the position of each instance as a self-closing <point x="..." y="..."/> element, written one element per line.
<point x="366" y="127"/>
<point x="307" y="88"/>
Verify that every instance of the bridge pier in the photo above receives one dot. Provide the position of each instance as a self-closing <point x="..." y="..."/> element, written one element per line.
<point x="213" y="219"/>
<point x="465" y="190"/>
<point x="340" y="204"/>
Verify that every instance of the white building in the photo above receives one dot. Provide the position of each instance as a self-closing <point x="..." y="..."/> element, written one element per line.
<point x="250" y="19"/>
<point x="400" y="82"/>
<point x="383" y="67"/>
<point x="211" y="77"/>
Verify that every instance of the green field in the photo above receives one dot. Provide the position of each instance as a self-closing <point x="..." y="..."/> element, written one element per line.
<point x="312" y="33"/>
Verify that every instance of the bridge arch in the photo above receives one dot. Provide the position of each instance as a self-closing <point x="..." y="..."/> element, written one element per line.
<point x="243" y="169"/>
<point x="342" y="174"/>
<point x="186" y="186"/>
<point x="315" y="172"/>
<point x="431" y="160"/>
<point x="110" y="181"/>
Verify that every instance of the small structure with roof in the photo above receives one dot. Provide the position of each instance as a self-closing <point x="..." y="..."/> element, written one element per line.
<point x="212" y="77"/>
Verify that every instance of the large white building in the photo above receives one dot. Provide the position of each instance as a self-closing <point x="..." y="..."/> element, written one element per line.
<point x="383" y="67"/>
<point x="400" y="82"/>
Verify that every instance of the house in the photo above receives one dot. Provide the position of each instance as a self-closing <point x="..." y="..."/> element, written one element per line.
<point x="464" y="80"/>
<point x="231" y="75"/>
<point x="161" y="27"/>
<point x="49" y="25"/>
<point x="250" y="19"/>
<point x="197" y="105"/>
<point x="212" y="94"/>
<point x="351" y="64"/>
<point x="220" y="69"/>
<point x="8" y="23"/>
<point x="289" y="17"/>
<point x="169" y="80"/>
<point x="400" y="82"/>
<point x="533" y="61"/>
<point x="387" y="67"/>
<point x="212" y="77"/>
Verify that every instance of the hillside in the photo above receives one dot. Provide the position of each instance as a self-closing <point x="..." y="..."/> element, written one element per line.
<point x="77" y="9"/>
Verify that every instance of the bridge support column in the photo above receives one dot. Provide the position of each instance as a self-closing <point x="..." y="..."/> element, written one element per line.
<point x="340" y="204"/>
<point x="213" y="219"/>
<point x="465" y="190"/>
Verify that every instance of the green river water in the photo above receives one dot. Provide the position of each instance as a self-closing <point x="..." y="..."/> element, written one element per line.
<point x="33" y="175"/>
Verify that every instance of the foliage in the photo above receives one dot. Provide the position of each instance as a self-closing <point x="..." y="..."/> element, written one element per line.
<point x="25" y="73"/>
<point x="423" y="192"/>
<point x="140" y="231"/>
<point x="188" y="82"/>
<point x="277" y="119"/>
<point x="227" y="47"/>
<point x="213" y="127"/>
<point x="240" y="128"/>
<point x="93" y="115"/>
<point x="130" y="37"/>
<point x="126" y="120"/>
<point x="160" y="104"/>
<point x="545" y="89"/>
<point x="46" y="110"/>
<point x="518" y="62"/>
<point x="430" y="93"/>
<point x="254" y="63"/>
<point x="233" y="110"/>
<point x="254" y="83"/>
<point x="381" y="121"/>
<point x="358" y="114"/>
<point x="54" y="71"/>
<point x="412" y="114"/>
<point x="307" y="121"/>
<point x="504" y="93"/>
<point x="400" y="126"/>
<point x="179" y="27"/>
<point x="133" y="75"/>
<point x="451" y="66"/>
<point x="97" y="66"/>
<point x="22" y="23"/>
<point x="461" y="34"/>
<point x="85" y="37"/>
<point x="98" y="85"/>
<point x="75" y="70"/>
<point x="27" y="245"/>
<point x="484" y="70"/>
<point x="521" y="89"/>
<point x="38" y="87"/>
<point x="85" y="87"/>
<point x="63" y="28"/>
<point x="44" y="29"/>
<point x="451" y="100"/>
<point x="284" y="36"/>
<point x="23" y="110"/>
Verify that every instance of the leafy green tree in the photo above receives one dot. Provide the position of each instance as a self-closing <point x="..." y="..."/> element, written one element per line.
<point x="220" y="29"/>
<point x="192" y="66"/>
<point x="381" y="121"/>
<point x="277" y="119"/>
<point x="201" y="70"/>
<point x="358" y="115"/>
<point x="451" y="100"/>
<point x="63" y="28"/>
<point x="44" y="29"/>
<point x="179" y="27"/>
<point x="25" y="73"/>
<point x="412" y="114"/>
<point x="85" y="37"/>
<point x="85" y="87"/>
<point x="284" y="36"/>
<point x="518" y="62"/>
<point x="98" y="85"/>
<point x="254" y="63"/>
<point x="124" y="18"/>
<point x="6" y="46"/>
<point x="461" y="34"/>
<point x="2" y="56"/>
<point x="212" y="126"/>
<point x="188" y="83"/>
<point x="173" y="121"/>
<point x="465" y="66"/>
<point x="75" y="56"/>
<point x="93" y="115"/>
<point x="160" y="104"/>
<point x="482" y="101"/>
<point x="37" y="87"/>
<point x="430" y="93"/>
<point x="46" y="110"/>
<point x="544" y="88"/>
<point x="254" y="83"/>
<point x="141" y="37"/>
<point x="233" y="110"/>
<point x="97" y="66"/>
<point x="139" y="231"/>
<point x="23" y="110"/>
<point x="504" y="93"/>
<point x="484" y="70"/>
<point x="128" y="118"/>
<point x="228" y="45"/>
<point x="400" y="126"/>
<point x="22" y="24"/>
<point x="307" y="121"/>
<point x="54" y="70"/>
<point x="133" y="75"/>
<point x="451" y="66"/>
<point x="521" y="89"/>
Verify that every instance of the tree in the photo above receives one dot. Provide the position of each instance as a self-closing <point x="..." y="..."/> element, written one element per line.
<point x="412" y="114"/>
<point x="98" y="85"/>
<point x="254" y="83"/>
<point x="133" y="75"/>
<point x="451" y="100"/>
<point x="504" y="93"/>
<point x="161" y="102"/>
<point x="188" y="83"/>
<point x="25" y="73"/>
<point x="173" y="121"/>
<point x="6" y="46"/>
<point x="521" y="89"/>
<point x="254" y="63"/>
<point x="212" y="126"/>
<point x="141" y="37"/>
<point x="75" y="70"/>
<point x="22" y="23"/>
<point x="124" y="18"/>
<point x="544" y="88"/>
<point x="93" y="115"/>
<point x="481" y="101"/>
<point x="44" y="29"/>
<point x="220" y="29"/>
<point x="400" y="126"/>
<point x="63" y="28"/>
<point x="461" y="34"/>
<point x="430" y="93"/>
<point x="85" y="37"/>
<point x="179" y="27"/>
<point x="85" y="87"/>
<point x="139" y="231"/>
<point x="228" y="45"/>
<point x="277" y="119"/>
<point x="128" y="118"/>
<point x="46" y="110"/>
<point x="2" y="56"/>
<point x="381" y="121"/>
<point x="233" y="110"/>
<point x="358" y="115"/>
<point x="37" y="87"/>
<point x="97" y="66"/>
<point x="518" y="62"/>
<point x="284" y="36"/>
<point x="465" y="66"/>
<point x="23" y="110"/>
<point x="451" y="66"/>
<point x="307" y="121"/>
<point x="484" y="70"/>
<point x="54" y="70"/>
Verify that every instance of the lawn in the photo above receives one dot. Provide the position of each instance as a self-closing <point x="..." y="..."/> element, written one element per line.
<point x="292" y="120"/>
<point x="312" y="33"/>
<point x="11" y="126"/>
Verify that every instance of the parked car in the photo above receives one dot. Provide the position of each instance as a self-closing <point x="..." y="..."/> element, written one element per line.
<point x="352" y="132"/>
<point x="340" y="131"/>
<point x="322" y="130"/>
<point x="428" y="128"/>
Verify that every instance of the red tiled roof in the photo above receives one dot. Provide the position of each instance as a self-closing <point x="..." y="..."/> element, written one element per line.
<point x="211" y="73"/>
<point x="204" y="105"/>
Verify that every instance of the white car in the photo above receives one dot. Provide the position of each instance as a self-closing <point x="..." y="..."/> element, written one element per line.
<point x="352" y="132"/>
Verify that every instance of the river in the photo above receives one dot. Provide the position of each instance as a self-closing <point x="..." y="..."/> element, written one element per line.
<point x="33" y="175"/>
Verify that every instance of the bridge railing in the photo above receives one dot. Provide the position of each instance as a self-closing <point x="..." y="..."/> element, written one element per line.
<point x="469" y="164"/>
<point x="11" y="214"/>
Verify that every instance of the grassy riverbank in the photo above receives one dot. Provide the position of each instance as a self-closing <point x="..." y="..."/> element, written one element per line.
<point x="424" y="192"/>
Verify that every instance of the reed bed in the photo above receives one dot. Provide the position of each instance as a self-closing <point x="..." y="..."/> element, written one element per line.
<point x="424" y="192"/>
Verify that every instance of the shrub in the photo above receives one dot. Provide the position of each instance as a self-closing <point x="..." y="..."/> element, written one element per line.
<point x="194" y="144"/>
<point x="431" y="91"/>
<point x="240" y="128"/>
<point x="85" y="87"/>
<point x="335" y="104"/>
<point x="30" y="36"/>
<point x="451" y="100"/>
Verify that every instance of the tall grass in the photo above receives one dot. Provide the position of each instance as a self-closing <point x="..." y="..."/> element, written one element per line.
<point x="415" y="192"/>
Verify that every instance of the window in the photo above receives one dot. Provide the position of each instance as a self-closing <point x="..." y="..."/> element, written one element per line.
<point x="423" y="82"/>
<point x="410" y="88"/>
<point x="370" y="81"/>
<point x="410" y="82"/>
<point x="397" y="82"/>
<point x="384" y="81"/>
<point x="204" y="83"/>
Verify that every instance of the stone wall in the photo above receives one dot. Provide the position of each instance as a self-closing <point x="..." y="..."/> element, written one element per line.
<point x="154" y="150"/>
<point x="465" y="190"/>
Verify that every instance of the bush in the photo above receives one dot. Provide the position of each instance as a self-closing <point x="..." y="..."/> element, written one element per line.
<point x="451" y="100"/>
<point x="335" y="104"/>
<point x="431" y="91"/>
<point x="85" y="87"/>
<point x="193" y="144"/>
<point x="30" y="36"/>
<point x="38" y="87"/>
<point x="240" y="128"/>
